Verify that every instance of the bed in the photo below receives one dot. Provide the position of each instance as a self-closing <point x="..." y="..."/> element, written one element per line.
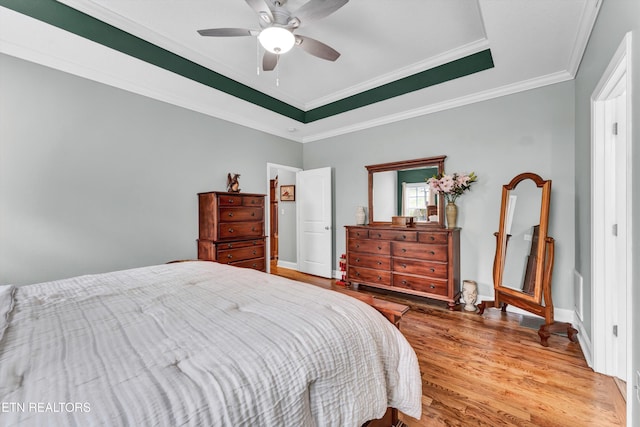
<point x="198" y="343"/>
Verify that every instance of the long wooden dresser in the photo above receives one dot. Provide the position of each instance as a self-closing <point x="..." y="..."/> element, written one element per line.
<point x="231" y="229"/>
<point x="418" y="261"/>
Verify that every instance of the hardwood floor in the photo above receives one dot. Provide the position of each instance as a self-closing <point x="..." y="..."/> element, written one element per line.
<point x="490" y="371"/>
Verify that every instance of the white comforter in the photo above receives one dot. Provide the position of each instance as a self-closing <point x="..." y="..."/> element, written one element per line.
<point x="198" y="343"/>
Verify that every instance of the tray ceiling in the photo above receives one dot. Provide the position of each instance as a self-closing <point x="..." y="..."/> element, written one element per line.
<point x="398" y="59"/>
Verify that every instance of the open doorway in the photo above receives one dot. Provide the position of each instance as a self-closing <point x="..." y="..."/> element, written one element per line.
<point x="280" y="217"/>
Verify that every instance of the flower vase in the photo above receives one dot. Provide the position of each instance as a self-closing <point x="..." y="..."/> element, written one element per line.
<point x="452" y="214"/>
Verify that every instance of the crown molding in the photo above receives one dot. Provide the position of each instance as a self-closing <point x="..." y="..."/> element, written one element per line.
<point x="22" y="36"/>
<point x="446" y="105"/>
<point x="587" y="21"/>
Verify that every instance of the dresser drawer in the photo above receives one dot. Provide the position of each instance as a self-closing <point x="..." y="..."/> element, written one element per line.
<point x="253" y="201"/>
<point x="256" y="264"/>
<point x="403" y="236"/>
<point x="419" y="251"/>
<point x="358" y="234"/>
<point x="237" y="230"/>
<point x="367" y="275"/>
<point x="420" y="284"/>
<point x="240" y="244"/>
<point x="229" y="200"/>
<point x="357" y="259"/>
<point x="229" y="214"/>
<point x="229" y="256"/>
<point x="438" y="270"/>
<point x="369" y="246"/>
<point x="433" y="237"/>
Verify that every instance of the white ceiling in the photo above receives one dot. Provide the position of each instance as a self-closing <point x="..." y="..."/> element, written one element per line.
<point x="533" y="43"/>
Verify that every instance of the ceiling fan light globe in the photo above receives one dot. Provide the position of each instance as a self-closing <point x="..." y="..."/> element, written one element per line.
<point x="277" y="40"/>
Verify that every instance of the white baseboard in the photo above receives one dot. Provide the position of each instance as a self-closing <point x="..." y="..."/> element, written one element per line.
<point x="288" y="264"/>
<point x="585" y="341"/>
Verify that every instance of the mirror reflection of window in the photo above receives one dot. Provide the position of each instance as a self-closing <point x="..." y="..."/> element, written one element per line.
<point x="415" y="198"/>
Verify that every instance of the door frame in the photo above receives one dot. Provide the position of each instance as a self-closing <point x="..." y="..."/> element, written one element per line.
<point x="267" y="213"/>
<point x="618" y="71"/>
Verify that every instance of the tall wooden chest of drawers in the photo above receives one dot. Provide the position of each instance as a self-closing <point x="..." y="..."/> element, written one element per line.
<point x="231" y="229"/>
<point x="418" y="261"/>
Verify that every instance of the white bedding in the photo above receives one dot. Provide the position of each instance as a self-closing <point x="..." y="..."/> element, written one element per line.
<point x="198" y="343"/>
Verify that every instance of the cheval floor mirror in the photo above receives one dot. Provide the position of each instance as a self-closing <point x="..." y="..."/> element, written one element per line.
<point x="523" y="263"/>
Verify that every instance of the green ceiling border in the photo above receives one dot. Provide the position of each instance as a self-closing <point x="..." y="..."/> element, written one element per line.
<point x="451" y="70"/>
<point x="81" y="24"/>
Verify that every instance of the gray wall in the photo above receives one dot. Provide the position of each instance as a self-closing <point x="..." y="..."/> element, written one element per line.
<point x="287" y="225"/>
<point x="615" y="19"/>
<point x="93" y="178"/>
<point x="531" y="131"/>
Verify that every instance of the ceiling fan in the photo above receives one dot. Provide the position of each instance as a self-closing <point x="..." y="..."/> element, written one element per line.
<point x="277" y="26"/>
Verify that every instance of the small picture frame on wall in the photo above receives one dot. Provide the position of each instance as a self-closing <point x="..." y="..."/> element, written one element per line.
<point x="287" y="193"/>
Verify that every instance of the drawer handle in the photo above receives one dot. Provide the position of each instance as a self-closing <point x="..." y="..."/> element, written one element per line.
<point x="229" y="245"/>
<point x="253" y="202"/>
<point x="254" y="252"/>
<point x="404" y="250"/>
<point x="404" y="282"/>
<point x="231" y="230"/>
<point x="432" y="238"/>
<point x="357" y="259"/>
<point x="379" y="277"/>
<point x="231" y="201"/>
<point x="229" y="256"/>
<point x="255" y="265"/>
<point x="357" y="273"/>
<point x="403" y="265"/>
<point x="379" y="235"/>
<point x="379" y="262"/>
<point x="404" y="237"/>
<point x="253" y="214"/>
<point x="230" y="214"/>
<point x="253" y="229"/>
<point x="358" y="234"/>
<point x="379" y="248"/>
<point x="433" y="270"/>
<point x="357" y="245"/>
<point x="432" y="286"/>
<point x="432" y="252"/>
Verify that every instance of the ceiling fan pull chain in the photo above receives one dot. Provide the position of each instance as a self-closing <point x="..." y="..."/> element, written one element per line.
<point x="277" y="71"/>
<point x="257" y="57"/>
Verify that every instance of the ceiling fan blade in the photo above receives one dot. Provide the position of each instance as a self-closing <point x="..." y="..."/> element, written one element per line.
<point x="316" y="48"/>
<point x="317" y="9"/>
<point x="262" y="8"/>
<point x="227" y="32"/>
<point x="269" y="61"/>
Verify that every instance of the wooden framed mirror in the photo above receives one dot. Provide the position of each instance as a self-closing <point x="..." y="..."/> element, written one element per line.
<point x="400" y="189"/>
<point x="523" y="263"/>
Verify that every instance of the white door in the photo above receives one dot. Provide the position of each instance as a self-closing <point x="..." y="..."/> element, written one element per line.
<point x="615" y="242"/>
<point x="611" y="203"/>
<point x="315" y="230"/>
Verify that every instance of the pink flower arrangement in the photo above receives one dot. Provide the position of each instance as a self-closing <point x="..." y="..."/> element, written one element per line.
<point x="452" y="186"/>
